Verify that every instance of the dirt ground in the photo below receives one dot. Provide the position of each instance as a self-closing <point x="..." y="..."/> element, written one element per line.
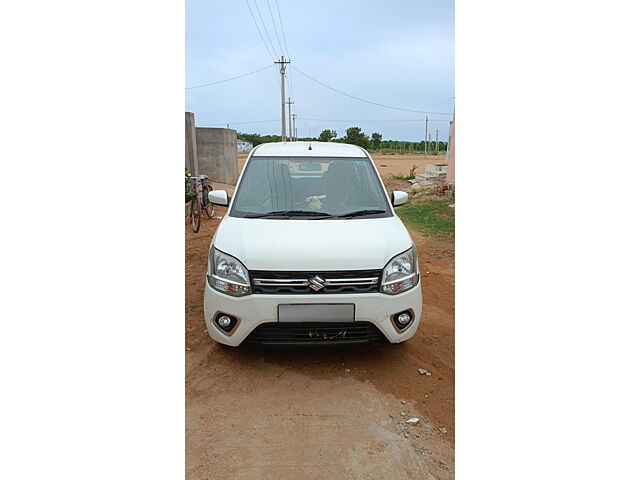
<point x="327" y="412"/>
<point x="389" y="165"/>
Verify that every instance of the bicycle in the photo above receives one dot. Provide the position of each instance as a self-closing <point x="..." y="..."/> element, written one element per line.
<point x="200" y="199"/>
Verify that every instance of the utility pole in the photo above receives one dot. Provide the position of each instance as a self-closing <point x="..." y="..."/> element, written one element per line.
<point x="437" y="144"/>
<point x="282" y="62"/>
<point x="429" y="141"/>
<point x="295" y="130"/>
<point x="426" y="130"/>
<point x="290" y="129"/>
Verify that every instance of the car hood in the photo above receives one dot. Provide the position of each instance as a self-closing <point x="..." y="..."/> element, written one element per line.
<point x="348" y="244"/>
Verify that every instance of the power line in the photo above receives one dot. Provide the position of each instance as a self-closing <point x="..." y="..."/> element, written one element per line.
<point x="284" y="39"/>
<point x="363" y="100"/>
<point x="370" y="121"/>
<point x="227" y="79"/>
<point x="282" y="29"/>
<point x="265" y="27"/>
<point x="242" y="123"/>
<point x="274" y="27"/>
<point x="258" y="28"/>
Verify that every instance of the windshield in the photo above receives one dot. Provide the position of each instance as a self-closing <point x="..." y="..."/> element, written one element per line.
<point x="303" y="187"/>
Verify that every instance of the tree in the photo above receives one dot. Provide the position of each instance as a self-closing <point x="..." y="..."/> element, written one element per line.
<point x="376" y="138"/>
<point x="355" y="136"/>
<point x="327" y="135"/>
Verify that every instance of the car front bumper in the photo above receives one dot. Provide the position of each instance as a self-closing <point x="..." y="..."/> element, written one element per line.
<point x="253" y="310"/>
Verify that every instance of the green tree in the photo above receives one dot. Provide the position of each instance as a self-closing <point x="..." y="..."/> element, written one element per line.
<point x="355" y="136"/>
<point x="376" y="139"/>
<point x="327" y="135"/>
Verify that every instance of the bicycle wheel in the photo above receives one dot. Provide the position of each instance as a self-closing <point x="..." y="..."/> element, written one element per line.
<point x="206" y="204"/>
<point x="195" y="214"/>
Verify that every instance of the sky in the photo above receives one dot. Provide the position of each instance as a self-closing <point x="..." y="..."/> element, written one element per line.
<point x="397" y="53"/>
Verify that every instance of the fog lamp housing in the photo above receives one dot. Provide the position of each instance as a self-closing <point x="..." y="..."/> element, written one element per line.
<point x="225" y="322"/>
<point x="402" y="319"/>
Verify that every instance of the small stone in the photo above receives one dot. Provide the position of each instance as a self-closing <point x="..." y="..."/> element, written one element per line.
<point x="403" y="414"/>
<point x="347" y="370"/>
<point x="422" y="371"/>
<point x="426" y="396"/>
<point x="188" y="349"/>
<point x="417" y="435"/>
<point x="406" y="435"/>
<point x="413" y="421"/>
<point x="403" y="402"/>
<point x="442" y="429"/>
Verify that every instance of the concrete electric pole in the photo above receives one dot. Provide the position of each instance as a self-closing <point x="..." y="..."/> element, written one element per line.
<point x="282" y="62"/>
<point x="295" y="130"/>
<point x="426" y="131"/>
<point x="290" y="129"/>
<point x="437" y="144"/>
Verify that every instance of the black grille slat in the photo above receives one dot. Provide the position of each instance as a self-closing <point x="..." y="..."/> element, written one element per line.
<point x="306" y="290"/>
<point x="316" y="333"/>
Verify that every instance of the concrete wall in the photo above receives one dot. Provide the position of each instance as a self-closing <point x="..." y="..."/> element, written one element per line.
<point x="190" y="147"/>
<point x="451" y="154"/>
<point x="217" y="154"/>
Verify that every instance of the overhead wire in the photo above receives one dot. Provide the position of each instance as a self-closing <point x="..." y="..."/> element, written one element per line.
<point x="264" y="26"/>
<point x="282" y="29"/>
<point x="367" y="101"/>
<point x="244" y="123"/>
<point x="274" y="26"/>
<point x="371" y="121"/>
<point x="227" y="79"/>
<point x="259" y="31"/>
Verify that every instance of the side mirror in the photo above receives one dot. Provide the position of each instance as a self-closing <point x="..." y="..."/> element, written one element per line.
<point x="219" y="197"/>
<point x="398" y="197"/>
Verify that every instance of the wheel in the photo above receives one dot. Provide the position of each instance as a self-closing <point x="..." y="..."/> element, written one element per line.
<point x="195" y="214"/>
<point x="206" y="204"/>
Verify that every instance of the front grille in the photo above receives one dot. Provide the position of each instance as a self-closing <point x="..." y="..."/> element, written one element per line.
<point x="315" y="333"/>
<point x="315" y="283"/>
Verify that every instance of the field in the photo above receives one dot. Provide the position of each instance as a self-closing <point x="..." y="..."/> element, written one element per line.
<point x="389" y="165"/>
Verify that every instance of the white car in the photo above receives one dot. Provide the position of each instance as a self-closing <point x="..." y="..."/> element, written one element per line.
<point x="310" y="251"/>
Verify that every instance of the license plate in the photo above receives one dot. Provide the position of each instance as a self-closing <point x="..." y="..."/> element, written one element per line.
<point x="317" y="312"/>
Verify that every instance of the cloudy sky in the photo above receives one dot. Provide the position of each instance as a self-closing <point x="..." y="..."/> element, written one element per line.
<point x="398" y="53"/>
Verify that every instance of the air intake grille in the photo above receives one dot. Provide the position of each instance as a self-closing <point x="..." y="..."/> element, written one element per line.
<point x="315" y="333"/>
<point x="315" y="283"/>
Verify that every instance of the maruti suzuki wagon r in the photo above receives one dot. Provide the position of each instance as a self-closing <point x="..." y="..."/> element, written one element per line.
<point x="310" y="251"/>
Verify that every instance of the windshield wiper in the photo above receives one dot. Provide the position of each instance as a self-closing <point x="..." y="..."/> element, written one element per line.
<point x="288" y="213"/>
<point x="359" y="213"/>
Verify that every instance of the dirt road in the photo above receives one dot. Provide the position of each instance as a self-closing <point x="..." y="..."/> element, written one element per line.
<point x="324" y="413"/>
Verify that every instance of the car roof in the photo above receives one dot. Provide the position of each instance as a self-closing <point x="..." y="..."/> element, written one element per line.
<point x="301" y="149"/>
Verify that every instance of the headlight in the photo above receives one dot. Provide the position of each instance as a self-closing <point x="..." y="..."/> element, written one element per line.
<point x="401" y="273"/>
<point x="227" y="274"/>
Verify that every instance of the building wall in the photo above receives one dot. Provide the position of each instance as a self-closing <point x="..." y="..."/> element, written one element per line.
<point x="217" y="154"/>
<point x="244" y="146"/>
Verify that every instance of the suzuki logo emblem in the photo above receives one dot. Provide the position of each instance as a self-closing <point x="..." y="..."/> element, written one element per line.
<point x="317" y="283"/>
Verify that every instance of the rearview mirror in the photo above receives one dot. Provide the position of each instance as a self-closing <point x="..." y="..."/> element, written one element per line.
<point x="398" y="197"/>
<point x="219" y="197"/>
